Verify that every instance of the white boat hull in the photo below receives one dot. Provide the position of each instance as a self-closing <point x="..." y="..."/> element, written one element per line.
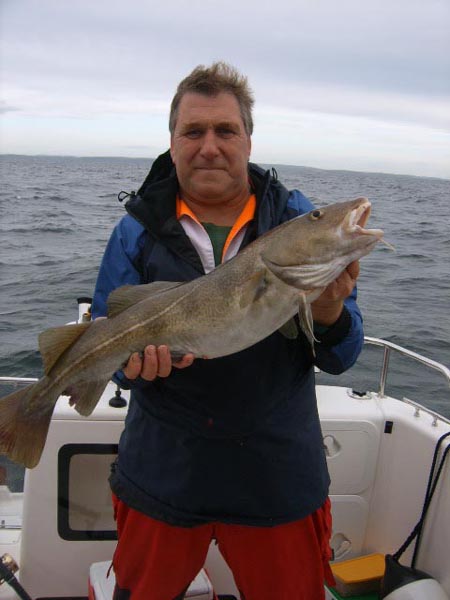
<point x="379" y="452"/>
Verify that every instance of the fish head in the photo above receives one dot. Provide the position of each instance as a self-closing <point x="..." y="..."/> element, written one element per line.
<point x="314" y="248"/>
<point x="338" y="230"/>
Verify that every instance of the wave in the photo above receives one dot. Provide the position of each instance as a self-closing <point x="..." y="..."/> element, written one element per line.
<point x="25" y="363"/>
<point x="33" y="229"/>
<point x="57" y="233"/>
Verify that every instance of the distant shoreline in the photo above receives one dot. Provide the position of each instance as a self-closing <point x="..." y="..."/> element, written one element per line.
<point x="264" y="164"/>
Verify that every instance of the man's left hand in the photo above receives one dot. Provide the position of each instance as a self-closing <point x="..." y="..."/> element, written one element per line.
<point x="328" y="306"/>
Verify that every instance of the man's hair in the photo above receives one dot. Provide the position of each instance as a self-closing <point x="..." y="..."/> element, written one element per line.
<point x="210" y="81"/>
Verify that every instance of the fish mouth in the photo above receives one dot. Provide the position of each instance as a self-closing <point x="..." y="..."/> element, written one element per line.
<point x="356" y="220"/>
<point x="355" y="224"/>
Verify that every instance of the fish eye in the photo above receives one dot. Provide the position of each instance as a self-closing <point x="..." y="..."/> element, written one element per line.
<point x="315" y="214"/>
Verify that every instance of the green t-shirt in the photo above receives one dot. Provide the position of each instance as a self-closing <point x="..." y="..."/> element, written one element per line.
<point x="218" y="235"/>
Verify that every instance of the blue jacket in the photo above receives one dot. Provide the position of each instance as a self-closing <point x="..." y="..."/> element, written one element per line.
<point x="235" y="439"/>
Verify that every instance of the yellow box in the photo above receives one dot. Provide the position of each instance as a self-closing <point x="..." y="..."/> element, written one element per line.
<point x="359" y="575"/>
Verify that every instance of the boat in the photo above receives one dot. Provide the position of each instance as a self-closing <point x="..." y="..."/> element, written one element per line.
<point x="60" y="531"/>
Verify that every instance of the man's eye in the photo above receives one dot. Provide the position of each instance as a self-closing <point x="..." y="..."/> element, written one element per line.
<point x="225" y="132"/>
<point x="193" y="134"/>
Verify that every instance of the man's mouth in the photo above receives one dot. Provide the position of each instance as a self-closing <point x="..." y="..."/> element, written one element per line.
<point x="209" y="168"/>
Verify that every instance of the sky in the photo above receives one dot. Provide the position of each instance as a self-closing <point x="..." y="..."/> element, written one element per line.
<point x="338" y="84"/>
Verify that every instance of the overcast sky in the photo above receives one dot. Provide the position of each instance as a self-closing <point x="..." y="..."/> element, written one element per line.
<point x="339" y="84"/>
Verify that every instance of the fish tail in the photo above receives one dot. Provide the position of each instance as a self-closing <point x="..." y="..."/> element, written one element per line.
<point x="23" y="431"/>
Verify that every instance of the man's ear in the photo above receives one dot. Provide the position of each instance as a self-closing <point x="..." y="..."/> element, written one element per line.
<point x="172" y="152"/>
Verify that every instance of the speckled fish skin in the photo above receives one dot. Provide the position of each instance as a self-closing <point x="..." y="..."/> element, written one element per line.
<point x="236" y="305"/>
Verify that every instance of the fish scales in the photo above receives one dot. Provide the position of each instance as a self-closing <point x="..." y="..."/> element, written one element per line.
<point x="236" y="305"/>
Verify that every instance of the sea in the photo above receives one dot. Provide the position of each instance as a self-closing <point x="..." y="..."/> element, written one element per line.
<point x="56" y="215"/>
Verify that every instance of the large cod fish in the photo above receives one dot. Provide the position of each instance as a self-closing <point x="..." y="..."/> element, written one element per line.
<point x="233" y="307"/>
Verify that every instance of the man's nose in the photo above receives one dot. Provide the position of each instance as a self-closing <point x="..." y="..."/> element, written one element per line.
<point x="209" y="148"/>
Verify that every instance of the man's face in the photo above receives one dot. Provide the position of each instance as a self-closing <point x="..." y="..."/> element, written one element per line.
<point x="210" y="148"/>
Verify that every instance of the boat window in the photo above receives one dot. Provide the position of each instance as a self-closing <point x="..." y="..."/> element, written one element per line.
<point x="84" y="497"/>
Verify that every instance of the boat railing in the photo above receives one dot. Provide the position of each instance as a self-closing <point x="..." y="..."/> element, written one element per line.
<point x="386" y="345"/>
<point x="16" y="381"/>
<point x="389" y="347"/>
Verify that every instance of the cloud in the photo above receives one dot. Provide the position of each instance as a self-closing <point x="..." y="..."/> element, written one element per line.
<point x="112" y="67"/>
<point x="346" y="142"/>
<point x="7" y="108"/>
<point x="400" y="45"/>
<point x="398" y="107"/>
<point x="77" y="103"/>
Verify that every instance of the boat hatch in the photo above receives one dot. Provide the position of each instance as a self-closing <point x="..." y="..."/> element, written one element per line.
<point x="84" y="501"/>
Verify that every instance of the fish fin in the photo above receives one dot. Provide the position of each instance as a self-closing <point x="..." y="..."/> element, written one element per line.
<point x="55" y="341"/>
<point x="289" y="329"/>
<point x="129" y="295"/>
<point x="288" y="274"/>
<point x="23" y="432"/>
<point x="253" y="288"/>
<point x="306" y="320"/>
<point x="84" y="396"/>
<point x="306" y="277"/>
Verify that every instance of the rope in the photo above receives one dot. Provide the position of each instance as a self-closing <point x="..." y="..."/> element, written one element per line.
<point x="433" y="480"/>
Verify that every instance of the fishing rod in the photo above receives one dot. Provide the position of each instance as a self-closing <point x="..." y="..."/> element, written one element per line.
<point x="8" y="567"/>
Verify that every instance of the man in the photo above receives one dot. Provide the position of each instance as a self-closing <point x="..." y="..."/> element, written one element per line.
<point x="227" y="449"/>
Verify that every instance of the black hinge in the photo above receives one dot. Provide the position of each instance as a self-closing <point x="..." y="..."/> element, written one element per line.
<point x="388" y="426"/>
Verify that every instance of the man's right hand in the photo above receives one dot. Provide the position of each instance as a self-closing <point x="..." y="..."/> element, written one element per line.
<point x="156" y="362"/>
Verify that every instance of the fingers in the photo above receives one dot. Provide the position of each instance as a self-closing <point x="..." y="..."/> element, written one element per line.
<point x="156" y="362"/>
<point x="347" y="280"/>
<point x="342" y="287"/>
<point x="133" y="366"/>
<point x="328" y="306"/>
<point x="186" y="361"/>
<point x="353" y="270"/>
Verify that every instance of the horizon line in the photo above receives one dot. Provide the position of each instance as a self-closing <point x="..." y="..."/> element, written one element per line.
<point x="121" y="157"/>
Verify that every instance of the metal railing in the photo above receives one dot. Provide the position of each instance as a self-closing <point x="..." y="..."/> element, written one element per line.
<point x="16" y="381"/>
<point x="389" y="347"/>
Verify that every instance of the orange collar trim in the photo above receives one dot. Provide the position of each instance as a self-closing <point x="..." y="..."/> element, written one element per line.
<point x="247" y="214"/>
<point x="184" y="210"/>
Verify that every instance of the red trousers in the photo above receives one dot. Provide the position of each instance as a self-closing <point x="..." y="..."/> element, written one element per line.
<point x="157" y="561"/>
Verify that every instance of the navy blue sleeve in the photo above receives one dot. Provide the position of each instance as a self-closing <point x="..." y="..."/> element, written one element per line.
<point x="118" y="266"/>
<point x="338" y="346"/>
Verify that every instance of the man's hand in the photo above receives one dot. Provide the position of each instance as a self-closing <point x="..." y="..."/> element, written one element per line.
<point x="156" y="362"/>
<point x="328" y="306"/>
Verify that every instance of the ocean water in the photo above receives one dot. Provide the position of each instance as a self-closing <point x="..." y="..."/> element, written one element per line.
<point x="57" y="214"/>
